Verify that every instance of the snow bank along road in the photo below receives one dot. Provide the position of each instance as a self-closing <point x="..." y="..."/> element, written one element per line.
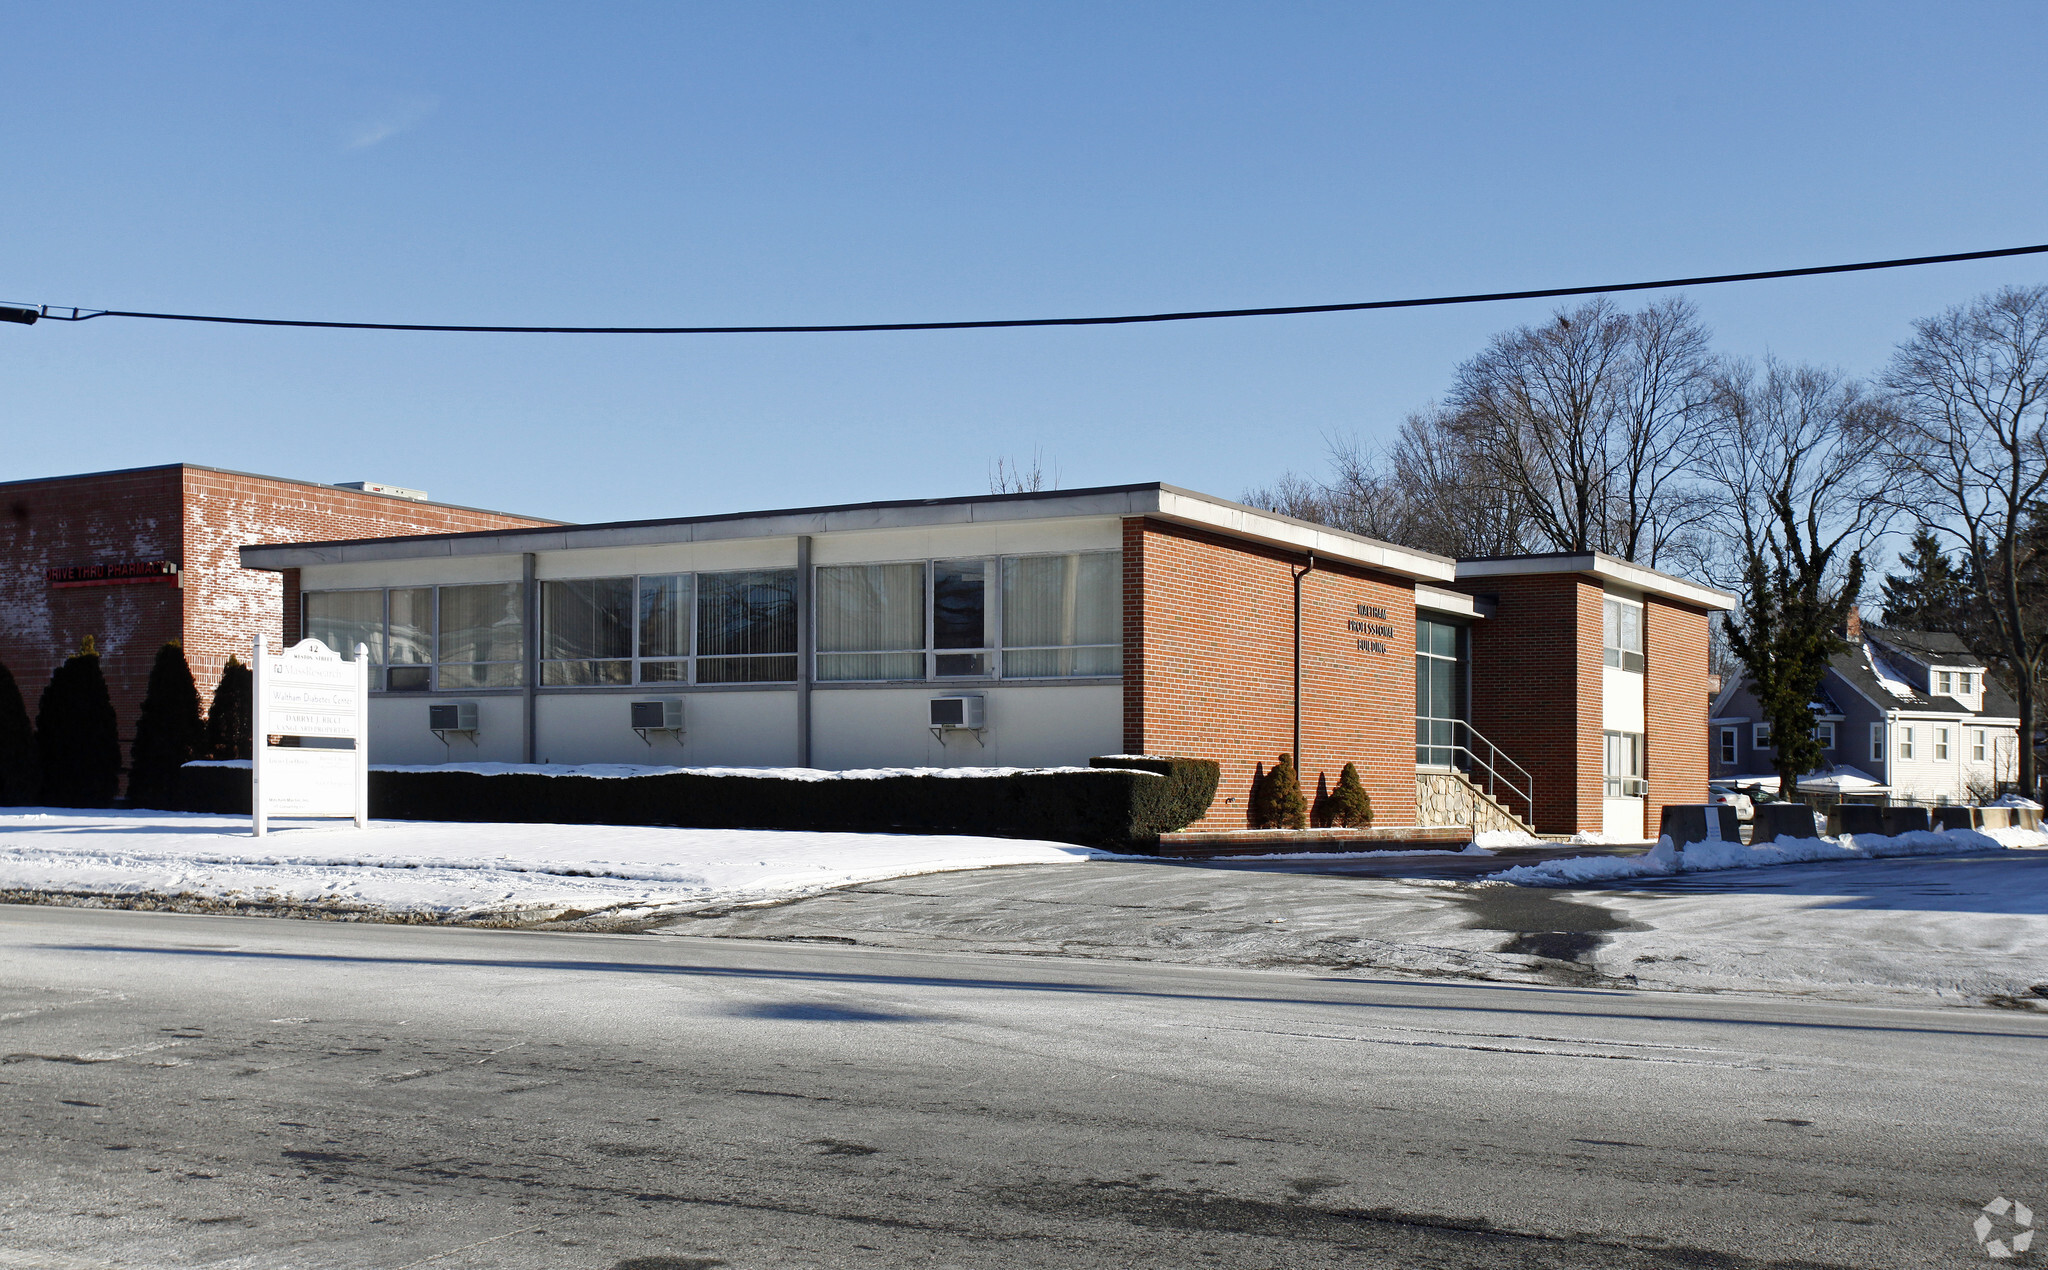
<point x="191" y="1090"/>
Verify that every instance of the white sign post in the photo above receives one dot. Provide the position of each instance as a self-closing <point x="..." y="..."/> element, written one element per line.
<point x="307" y="690"/>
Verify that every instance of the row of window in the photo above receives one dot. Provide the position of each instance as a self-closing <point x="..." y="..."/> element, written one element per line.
<point x="1012" y="617"/>
<point x="1960" y="683"/>
<point x="1760" y="737"/>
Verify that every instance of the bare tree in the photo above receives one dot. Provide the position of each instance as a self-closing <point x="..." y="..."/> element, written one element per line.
<point x="1797" y="504"/>
<point x="1969" y="442"/>
<point x="1008" y="476"/>
<point x="1594" y="422"/>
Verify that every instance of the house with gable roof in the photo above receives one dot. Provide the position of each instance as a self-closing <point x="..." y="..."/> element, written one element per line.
<point x="1911" y="716"/>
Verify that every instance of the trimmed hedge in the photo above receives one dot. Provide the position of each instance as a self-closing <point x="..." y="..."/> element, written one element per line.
<point x="1125" y="805"/>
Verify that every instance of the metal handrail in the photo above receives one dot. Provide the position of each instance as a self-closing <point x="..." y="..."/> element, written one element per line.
<point x="1491" y="766"/>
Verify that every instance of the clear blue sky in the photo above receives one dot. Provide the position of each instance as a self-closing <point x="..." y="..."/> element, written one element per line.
<point x="765" y="163"/>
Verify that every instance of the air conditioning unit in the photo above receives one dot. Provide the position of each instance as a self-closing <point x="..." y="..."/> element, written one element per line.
<point x="952" y="714"/>
<point x="657" y="716"/>
<point x="444" y="717"/>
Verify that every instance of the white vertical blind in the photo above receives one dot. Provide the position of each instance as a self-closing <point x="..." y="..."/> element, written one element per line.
<point x="871" y="621"/>
<point x="343" y="619"/>
<point x="1063" y="614"/>
<point x="481" y="636"/>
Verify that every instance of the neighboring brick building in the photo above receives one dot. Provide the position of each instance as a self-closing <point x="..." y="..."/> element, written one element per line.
<point x="138" y="557"/>
<point x="1134" y="619"/>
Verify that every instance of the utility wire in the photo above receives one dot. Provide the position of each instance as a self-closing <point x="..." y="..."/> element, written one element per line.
<point x="60" y="313"/>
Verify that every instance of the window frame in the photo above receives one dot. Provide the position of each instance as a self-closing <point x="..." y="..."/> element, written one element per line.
<point x="1905" y="738"/>
<point x="1966" y="683"/>
<point x="1978" y="749"/>
<point x="1731" y="746"/>
<point x="1877" y="743"/>
<point x="1618" y="654"/>
<point x="1760" y="736"/>
<point x="1946" y="679"/>
<point x="1633" y="783"/>
<point x="993" y="648"/>
<point x="1941" y="743"/>
<point x="1824" y="733"/>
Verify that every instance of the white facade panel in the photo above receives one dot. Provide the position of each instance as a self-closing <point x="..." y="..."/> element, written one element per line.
<point x="687" y="557"/>
<point x="720" y="729"/>
<point x="435" y="571"/>
<point x="1621" y="819"/>
<point x="1621" y="701"/>
<point x="399" y="732"/>
<point x="948" y="541"/>
<point x="1026" y="727"/>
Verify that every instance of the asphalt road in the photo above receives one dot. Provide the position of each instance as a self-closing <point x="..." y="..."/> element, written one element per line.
<point x="203" y="1091"/>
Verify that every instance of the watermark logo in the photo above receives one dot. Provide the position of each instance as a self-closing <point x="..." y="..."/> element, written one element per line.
<point x="2005" y="1228"/>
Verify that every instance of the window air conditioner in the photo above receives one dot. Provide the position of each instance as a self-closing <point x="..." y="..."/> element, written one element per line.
<point x="957" y="713"/>
<point x="657" y="716"/>
<point x="451" y="716"/>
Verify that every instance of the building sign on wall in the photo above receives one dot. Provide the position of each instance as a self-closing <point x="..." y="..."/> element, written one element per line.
<point x="1372" y="628"/>
<point x="308" y="692"/>
<point x="111" y="573"/>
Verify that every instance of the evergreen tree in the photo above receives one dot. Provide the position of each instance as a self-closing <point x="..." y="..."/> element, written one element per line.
<point x="1932" y="594"/>
<point x="1351" y="806"/>
<point x="20" y="782"/>
<point x="169" y="732"/>
<point x="1258" y="808"/>
<point x="228" y="723"/>
<point x="1786" y="631"/>
<point x="76" y="741"/>
<point x="1290" y="809"/>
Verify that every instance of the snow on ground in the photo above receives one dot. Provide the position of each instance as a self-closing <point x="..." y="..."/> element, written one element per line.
<point x="443" y="870"/>
<point x="623" y="771"/>
<point x="1701" y="857"/>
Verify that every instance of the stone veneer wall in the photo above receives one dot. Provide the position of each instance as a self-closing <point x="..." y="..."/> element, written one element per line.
<point x="1446" y="798"/>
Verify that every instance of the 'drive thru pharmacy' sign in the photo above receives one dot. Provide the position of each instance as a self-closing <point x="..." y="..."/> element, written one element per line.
<point x="307" y="693"/>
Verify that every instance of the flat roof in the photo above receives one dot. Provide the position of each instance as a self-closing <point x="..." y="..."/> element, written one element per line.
<point x="259" y="476"/>
<point x="1151" y="499"/>
<point x="1598" y="564"/>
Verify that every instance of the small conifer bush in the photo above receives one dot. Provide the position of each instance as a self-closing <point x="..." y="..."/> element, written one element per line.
<point x="228" y="722"/>
<point x="169" y="733"/>
<point x="1290" y="809"/>
<point x="1351" y="806"/>
<point x="76" y="742"/>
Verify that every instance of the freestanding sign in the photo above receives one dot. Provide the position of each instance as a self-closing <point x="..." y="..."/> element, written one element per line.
<point x="307" y="692"/>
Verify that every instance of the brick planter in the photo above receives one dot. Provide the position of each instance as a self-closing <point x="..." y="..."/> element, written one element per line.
<point x="1202" y="844"/>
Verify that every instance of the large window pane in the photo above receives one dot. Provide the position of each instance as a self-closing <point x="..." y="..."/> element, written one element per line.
<point x="480" y="625"/>
<point x="746" y="626"/>
<point x="1053" y="603"/>
<point x="343" y="619"/>
<point x="665" y="615"/>
<point x="588" y="618"/>
<point x="412" y="626"/>
<point x="871" y="621"/>
<point x="960" y="604"/>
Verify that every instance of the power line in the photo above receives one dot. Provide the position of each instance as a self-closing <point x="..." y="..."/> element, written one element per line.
<point x="62" y="313"/>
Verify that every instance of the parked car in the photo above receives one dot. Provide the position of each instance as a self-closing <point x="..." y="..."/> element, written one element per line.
<point x="1730" y="796"/>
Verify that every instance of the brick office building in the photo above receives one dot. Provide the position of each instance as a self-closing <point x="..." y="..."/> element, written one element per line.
<point x="138" y="557"/>
<point x="1027" y="630"/>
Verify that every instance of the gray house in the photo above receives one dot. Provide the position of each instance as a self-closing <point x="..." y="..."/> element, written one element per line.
<point x="1910" y="715"/>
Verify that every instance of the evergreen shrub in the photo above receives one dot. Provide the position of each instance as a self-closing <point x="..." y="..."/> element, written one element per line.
<point x="1351" y="806"/>
<point x="1125" y="805"/>
<point x="228" y="722"/>
<point x="1290" y="809"/>
<point x="20" y="783"/>
<point x="76" y="742"/>
<point x="169" y="733"/>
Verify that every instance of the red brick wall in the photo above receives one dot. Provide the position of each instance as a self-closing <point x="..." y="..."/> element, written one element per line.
<point x="197" y="517"/>
<point x="226" y="604"/>
<point x="1208" y="666"/>
<point x="1675" y="706"/>
<point x="1536" y="689"/>
<point x="119" y="516"/>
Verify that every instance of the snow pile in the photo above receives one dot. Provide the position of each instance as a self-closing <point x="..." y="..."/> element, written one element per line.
<point x="1470" y="848"/>
<point x="623" y="771"/>
<point x="1505" y="838"/>
<point x="2014" y="800"/>
<point x="452" y="870"/>
<point x="1702" y="857"/>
